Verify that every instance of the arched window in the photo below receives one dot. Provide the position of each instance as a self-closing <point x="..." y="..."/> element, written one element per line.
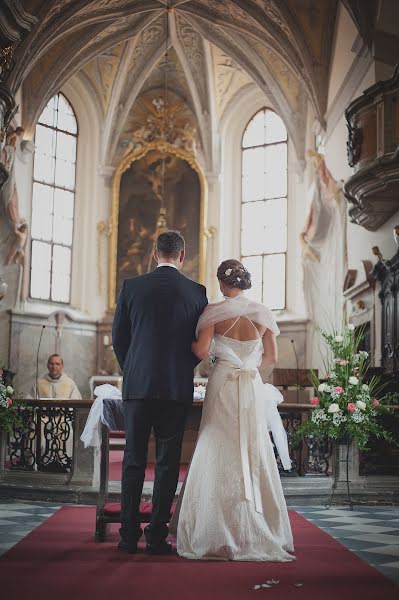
<point x="53" y="202"/>
<point x="264" y="207"/>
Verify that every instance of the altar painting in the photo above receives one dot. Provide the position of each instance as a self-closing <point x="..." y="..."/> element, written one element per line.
<point x="140" y="202"/>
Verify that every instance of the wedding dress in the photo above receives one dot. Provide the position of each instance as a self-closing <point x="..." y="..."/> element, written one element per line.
<point x="232" y="505"/>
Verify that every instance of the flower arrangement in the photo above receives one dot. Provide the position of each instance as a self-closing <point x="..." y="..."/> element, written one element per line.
<point x="344" y="405"/>
<point x="9" y="403"/>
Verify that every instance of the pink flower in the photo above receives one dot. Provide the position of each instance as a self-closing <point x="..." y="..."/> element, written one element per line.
<point x="376" y="402"/>
<point x="339" y="389"/>
<point x="9" y="401"/>
<point x="351" y="407"/>
<point x="315" y="401"/>
<point x="342" y="362"/>
<point x="356" y="372"/>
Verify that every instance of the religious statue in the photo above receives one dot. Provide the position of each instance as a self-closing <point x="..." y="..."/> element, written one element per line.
<point x="15" y="147"/>
<point x="17" y="251"/>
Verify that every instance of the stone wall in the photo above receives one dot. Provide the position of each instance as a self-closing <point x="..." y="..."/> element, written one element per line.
<point x="74" y="339"/>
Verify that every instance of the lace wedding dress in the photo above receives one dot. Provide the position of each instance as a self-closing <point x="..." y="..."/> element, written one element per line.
<point x="232" y="505"/>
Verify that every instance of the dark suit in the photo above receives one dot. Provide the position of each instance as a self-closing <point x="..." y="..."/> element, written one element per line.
<point x="153" y="329"/>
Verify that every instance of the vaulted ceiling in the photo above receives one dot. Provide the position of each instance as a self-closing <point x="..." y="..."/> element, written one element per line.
<point x="215" y="49"/>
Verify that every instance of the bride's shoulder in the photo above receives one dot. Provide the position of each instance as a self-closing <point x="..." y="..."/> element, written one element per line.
<point x="214" y="305"/>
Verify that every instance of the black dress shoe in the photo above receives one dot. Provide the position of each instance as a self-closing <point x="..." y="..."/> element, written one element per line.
<point x="162" y="547"/>
<point x="129" y="548"/>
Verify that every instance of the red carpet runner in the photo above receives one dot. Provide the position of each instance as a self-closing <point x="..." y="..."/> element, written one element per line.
<point x="59" y="560"/>
<point x="115" y="468"/>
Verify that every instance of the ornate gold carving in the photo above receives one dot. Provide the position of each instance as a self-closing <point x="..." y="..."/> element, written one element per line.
<point x="104" y="228"/>
<point x="6" y="60"/>
<point x="137" y="154"/>
<point x="163" y="123"/>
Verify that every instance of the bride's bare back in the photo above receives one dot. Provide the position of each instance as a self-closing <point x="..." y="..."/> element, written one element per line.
<point x="242" y="329"/>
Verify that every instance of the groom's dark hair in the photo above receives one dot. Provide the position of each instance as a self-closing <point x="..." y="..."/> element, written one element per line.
<point x="170" y="244"/>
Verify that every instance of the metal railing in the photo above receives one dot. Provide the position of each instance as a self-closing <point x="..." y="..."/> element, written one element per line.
<point x="49" y="440"/>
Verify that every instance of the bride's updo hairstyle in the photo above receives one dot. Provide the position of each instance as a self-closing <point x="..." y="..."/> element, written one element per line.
<point x="233" y="274"/>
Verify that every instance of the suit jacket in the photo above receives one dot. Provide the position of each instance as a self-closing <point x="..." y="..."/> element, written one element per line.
<point x="153" y="328"/>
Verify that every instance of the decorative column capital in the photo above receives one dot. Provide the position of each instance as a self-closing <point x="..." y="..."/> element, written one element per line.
<point x="107" y="172"/>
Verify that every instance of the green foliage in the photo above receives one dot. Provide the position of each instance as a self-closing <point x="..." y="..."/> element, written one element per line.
<point x="345" y="405"/>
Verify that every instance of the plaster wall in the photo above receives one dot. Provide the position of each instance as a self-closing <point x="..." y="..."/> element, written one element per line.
<point x="342" y="55"/>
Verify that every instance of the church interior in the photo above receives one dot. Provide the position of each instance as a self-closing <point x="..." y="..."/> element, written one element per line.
<point x="263" y="131"/>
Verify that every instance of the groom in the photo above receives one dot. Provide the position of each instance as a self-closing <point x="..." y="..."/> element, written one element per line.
<point x="153" y="329"/>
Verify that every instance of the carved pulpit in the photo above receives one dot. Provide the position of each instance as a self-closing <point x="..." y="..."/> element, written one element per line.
<point x="373" y="151"/>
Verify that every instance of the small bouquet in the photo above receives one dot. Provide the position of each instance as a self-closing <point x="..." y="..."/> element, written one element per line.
<point x="9" y="403"/>
<point x="344" y="405"/>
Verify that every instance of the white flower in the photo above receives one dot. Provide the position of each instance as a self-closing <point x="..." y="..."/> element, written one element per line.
<point x="10" y="390"/>
<point x="228" y="272"/>
<point x="318" y="415"/>
<point x="353" y="380"/>
<point x="360" y="404"/>
<point x="339" y="338"/>
<point x="363" y="354"/>
<point x="333" y="408"/>
<point x="323" y="387"/>
<point x="338" y="418"/>
<point x="365" y="387"/>
<point x="351" y="327"/>
<point x="358" y="416"/>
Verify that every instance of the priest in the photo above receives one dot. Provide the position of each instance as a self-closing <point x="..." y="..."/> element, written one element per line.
<point x="56" y="384"/>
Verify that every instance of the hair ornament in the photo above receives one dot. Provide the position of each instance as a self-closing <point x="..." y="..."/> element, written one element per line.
<point x="228" y="272"/>
<point x="238" y="278"/>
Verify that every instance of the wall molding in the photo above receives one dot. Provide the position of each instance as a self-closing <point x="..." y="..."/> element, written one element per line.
<point x="354" y="77"/>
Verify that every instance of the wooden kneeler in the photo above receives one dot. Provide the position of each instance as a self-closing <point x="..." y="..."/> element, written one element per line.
<point x="110" y="512"/>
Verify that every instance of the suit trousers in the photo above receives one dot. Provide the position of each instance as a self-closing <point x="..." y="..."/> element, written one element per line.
<point x="168" y="420"/>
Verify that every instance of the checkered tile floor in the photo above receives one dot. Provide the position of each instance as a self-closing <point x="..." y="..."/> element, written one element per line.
<point x="370" y="532"/>
<point x="17" y="519"/>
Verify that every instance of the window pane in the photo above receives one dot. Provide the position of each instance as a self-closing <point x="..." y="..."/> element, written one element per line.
<point x="44" y="168"/>
<point x="63" y="217"/>
<point x="253" y="228"/>
<point x="66" y="118"/>
<point x="42" y="209"/>
<point x="45" y="140"/>
<point x="63" y="204"/>
<point x="48" y="116"/>
<point x="274" y="281"/>
<point x="275" y="219"/>
<point x="276" y="171"/>
<point x="253" y="181"/>
<point x="40" y="284"/>
<point x="275" y="128"/>
<point x="254" y="266"/>
<point x="61" y="260"/>
<point x="40" y="270"/>
<point x="60" y="283"/>
<point x="255" y="132"/>
<point x="60" y="287"/>
<point x="65" y="174"/>
<point x="66" y="147"/>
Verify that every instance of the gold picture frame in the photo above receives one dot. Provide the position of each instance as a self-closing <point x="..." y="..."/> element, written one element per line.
<point x="125" y="163"/>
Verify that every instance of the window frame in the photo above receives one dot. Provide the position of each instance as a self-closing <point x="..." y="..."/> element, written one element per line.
<point x="54" y="187"/>
<point x="264" y="200"/>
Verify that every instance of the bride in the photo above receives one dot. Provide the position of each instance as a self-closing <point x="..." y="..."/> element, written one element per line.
<point x="232" y="505"/>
